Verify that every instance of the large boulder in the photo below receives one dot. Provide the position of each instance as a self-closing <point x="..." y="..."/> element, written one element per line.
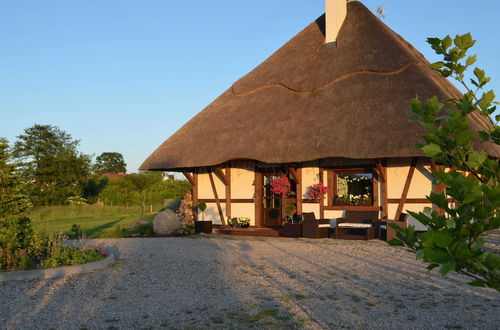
<point x="166" y="222"/>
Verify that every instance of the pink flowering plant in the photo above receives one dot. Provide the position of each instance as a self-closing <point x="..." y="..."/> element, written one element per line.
<point x="316" y="191"/>
<point x="280" y="186"/>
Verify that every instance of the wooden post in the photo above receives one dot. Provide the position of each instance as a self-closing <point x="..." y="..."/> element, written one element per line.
<point x="322" y="200"/>
<point x="258" y="200"/>
<point x="438" y="188"/>
<point x="299" y="191"/>
<point x="382" y="171"/>
<point x="406" y="188"/>
<point x="217" y="201"/>
<point x="228" y="192"/>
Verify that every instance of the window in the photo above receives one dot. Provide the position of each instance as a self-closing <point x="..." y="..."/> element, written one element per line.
<point x="353" y="188"/>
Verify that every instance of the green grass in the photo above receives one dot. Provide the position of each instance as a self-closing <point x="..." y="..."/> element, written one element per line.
<point x="96" y="221"/>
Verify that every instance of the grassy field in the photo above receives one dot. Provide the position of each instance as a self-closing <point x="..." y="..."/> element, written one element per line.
<point x="96" y="221"/>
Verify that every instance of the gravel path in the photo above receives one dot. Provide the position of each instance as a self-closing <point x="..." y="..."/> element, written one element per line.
<point x="222" y="282"/>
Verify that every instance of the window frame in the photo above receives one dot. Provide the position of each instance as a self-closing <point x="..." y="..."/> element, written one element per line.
<point x="332" y="188"/>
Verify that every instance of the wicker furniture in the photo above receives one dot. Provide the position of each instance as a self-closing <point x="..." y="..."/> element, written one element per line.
<point x="387" y="233"/>
<point x="358" y="225"/>
<point x="314" y="228"/>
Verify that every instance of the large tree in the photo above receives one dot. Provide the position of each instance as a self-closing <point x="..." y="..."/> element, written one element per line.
<point x="50" y="161"/>
<point x="110" y="162"/>
<point x="15" y="227"/>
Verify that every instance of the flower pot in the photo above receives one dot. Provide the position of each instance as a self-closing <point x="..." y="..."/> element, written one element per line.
<point x="246" y="225"/>
<point x="203" y="227"/>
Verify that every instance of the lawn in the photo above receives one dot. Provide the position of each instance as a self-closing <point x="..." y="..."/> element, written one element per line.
<point x="96" y="221"/>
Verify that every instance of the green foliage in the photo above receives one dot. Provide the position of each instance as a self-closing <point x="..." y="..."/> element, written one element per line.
<point x="75" y="232"/>
<point x="50" y="161"/>
<point x="16" y="232"/>
<point x="454" y="239"/>
<point x="93" y="187"/>
<point x="110" y="162"/>
<point x="143" y="188"/>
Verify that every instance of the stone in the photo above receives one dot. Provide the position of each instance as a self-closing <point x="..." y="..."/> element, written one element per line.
<point x="166" y="222"/>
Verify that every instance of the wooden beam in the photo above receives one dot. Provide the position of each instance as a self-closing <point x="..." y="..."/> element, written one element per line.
<point x="228" y="192"/>
<point x="299" y="190"/>
<point x="190" y="178"/>
<point x="294" y="174"/>
<point x="195" y="195"/>
<point x="409" y="201"/>
<point x="438" y="188"/>
<point x="233" y="200"/>
<point x="406" y="188"/>
<point x="380" y="169"/>
<point x="217" y="201"/>
<point x="223" y="177"/>
<point x="384" y="188"/>
<point x="322" y="200"/>
<point x="259" y="195"/>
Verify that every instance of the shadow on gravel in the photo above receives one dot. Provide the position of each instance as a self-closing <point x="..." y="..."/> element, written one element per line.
<point x="221" y="282"/>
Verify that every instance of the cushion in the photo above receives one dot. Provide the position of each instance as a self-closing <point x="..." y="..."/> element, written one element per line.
<point x="354" y="225"/>
<point x="324" y="225"/>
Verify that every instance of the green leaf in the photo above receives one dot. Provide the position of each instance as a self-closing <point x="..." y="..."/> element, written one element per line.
<point x="436" y="255"/>
<point x="431" y="150"/>
<point x="447" y="267"/>
<point x="476" y="159"/>
<point x="437" y="65"/>
<point x="446" y="42"/>
<point x="396" y="242"/>
<point x="478" y="283"/>
<point x="471" y="60"/>
<point x="486" y="99"/>
<point x="442" y="239"/>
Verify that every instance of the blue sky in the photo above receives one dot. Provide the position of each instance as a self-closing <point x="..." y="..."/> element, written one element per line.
<point x="123" y="75"/>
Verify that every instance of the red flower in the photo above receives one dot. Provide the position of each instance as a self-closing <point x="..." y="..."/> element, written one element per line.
<point x="280" y="186"/>
<point x="316" y="191"/>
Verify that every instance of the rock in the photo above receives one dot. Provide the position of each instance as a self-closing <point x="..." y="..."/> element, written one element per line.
<point x="166" y="222"/>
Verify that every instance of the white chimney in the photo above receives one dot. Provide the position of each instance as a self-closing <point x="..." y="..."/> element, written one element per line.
<point x="335" y="13"/>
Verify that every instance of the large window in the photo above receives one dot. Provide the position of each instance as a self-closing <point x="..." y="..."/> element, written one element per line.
<point x="352" y="188"/>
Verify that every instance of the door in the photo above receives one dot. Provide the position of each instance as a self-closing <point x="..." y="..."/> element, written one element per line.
<point x="272" y="203"/>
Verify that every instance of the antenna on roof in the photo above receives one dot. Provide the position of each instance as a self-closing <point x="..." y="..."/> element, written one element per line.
<point x="380" y="12"/>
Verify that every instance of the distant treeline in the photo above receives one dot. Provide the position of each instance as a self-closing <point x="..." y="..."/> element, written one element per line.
<point x="54" y="172"/>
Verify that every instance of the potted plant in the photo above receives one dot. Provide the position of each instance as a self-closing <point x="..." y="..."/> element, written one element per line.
<point x="233" y="222"/>
<point x="291" y="229"/>
<point x="316" y="192"/>
<point x="244" y="222"/>
<point x="202" y="226"/>
<point x="342" y="200"/>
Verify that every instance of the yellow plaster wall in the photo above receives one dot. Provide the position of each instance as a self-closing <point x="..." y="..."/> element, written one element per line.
<point x="212" y="213"/>
<point x="242" y="183"/>
<point x="311" y="207"/>
<point x="205" y="188"/>
<point x="420" y="185"/>
<point x="244" y="210"/>
<point x="329" y="214"/>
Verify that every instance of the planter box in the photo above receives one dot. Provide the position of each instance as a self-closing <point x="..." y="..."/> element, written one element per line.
<point x="203" y="227"/>
<point x="338" y="203"/>
<point x="292" y="230"/>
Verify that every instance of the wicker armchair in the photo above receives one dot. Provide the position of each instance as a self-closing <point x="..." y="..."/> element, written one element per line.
<point x="314" y="228"/>
<point x="358" y="225"/>
<point x="387" y="233"/>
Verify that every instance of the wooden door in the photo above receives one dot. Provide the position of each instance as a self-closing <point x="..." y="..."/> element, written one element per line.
<point x="272" y="203"/>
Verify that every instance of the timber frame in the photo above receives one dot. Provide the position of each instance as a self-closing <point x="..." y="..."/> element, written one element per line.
<point x="326" y="174"/>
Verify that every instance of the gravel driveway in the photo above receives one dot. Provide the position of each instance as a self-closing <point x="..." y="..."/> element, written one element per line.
<point x="223" y="282"/>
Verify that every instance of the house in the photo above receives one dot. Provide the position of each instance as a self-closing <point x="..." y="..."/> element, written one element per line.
<point x="331" y="106"/>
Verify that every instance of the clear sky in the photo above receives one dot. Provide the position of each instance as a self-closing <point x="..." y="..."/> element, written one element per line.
<point x="123" y="75"/>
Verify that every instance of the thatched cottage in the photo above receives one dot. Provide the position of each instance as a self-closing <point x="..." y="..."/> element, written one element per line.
<point x="331" y="106"/>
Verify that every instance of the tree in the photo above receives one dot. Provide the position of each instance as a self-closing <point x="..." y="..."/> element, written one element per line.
<point x="454" y="239"/>
<point x="110" y="162"/>
<point x="15" y="227"/>
<point x="50" y="161"/>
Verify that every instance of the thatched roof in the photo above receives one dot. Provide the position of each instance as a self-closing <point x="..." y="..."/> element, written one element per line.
<point x="306" y="103"/>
